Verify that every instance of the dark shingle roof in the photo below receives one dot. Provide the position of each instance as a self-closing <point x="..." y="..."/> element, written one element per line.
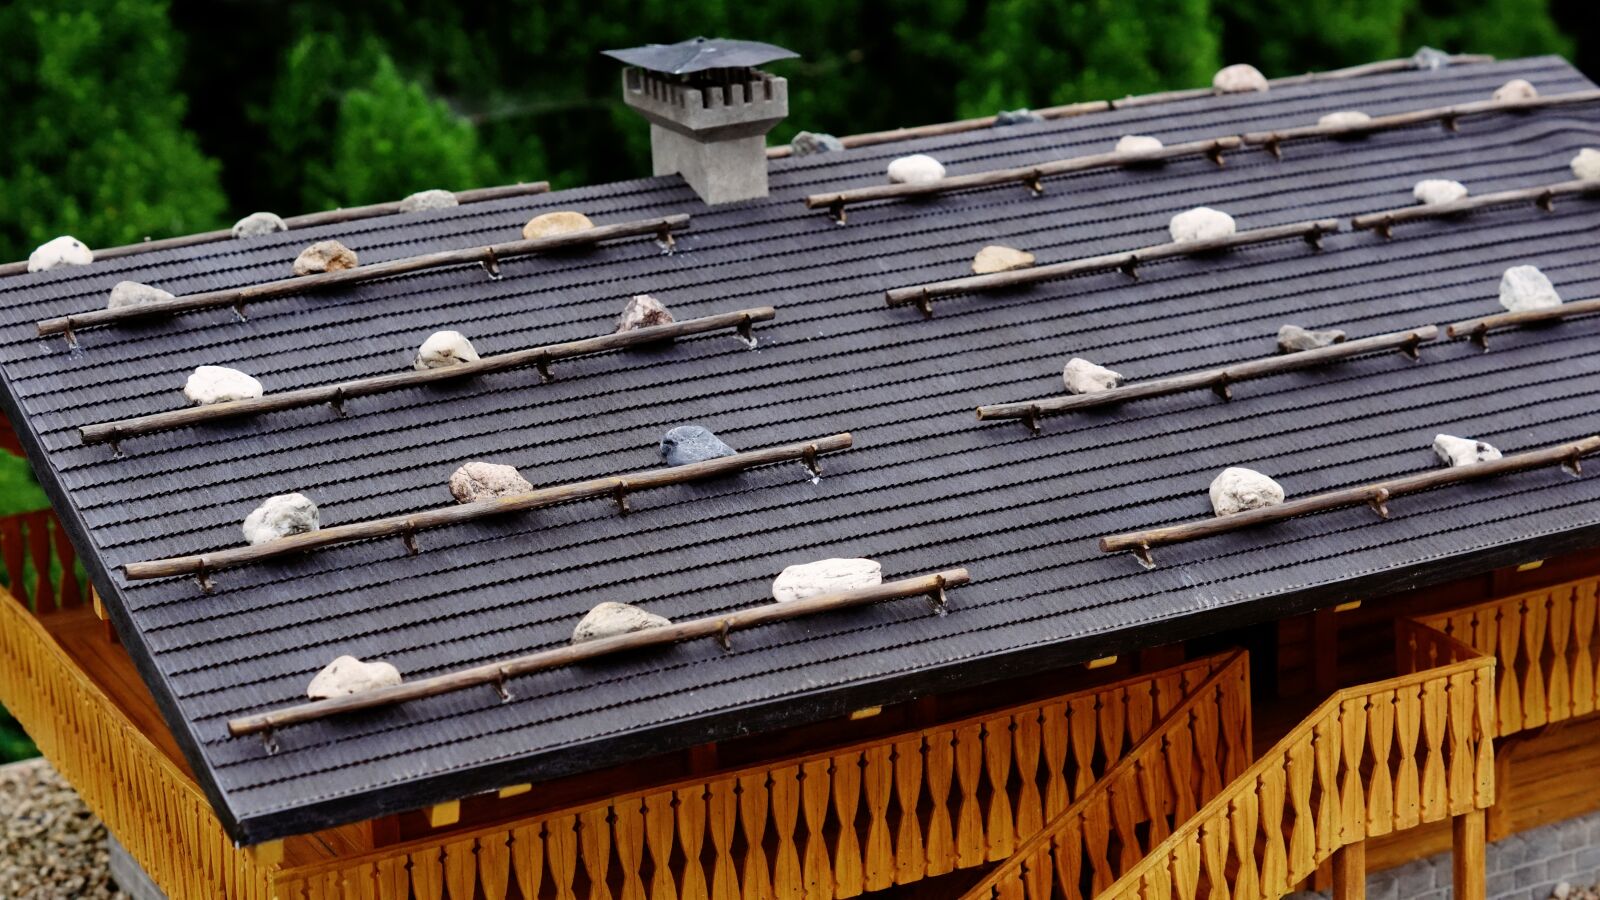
<point x="926" y="486"/>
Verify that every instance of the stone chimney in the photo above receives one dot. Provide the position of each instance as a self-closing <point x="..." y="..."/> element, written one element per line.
<point x="710" y="109"/>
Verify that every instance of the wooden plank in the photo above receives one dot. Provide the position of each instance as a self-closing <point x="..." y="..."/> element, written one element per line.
<point x="1468" y="861"/>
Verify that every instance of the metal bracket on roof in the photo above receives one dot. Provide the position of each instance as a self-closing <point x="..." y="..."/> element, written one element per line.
<point x="722" y="636"/>
<point x="409" y="537"/>
<point x="1409" y="348"/>
<point x="1274" y="146"/>
<point x="500" y="686"/>
<point x="620" y="494"/>
<point x="746" y="329"/>
<point x="666" y="240"/>
<point x="1031" y="419"/>
<point x="809" y="458"/>
<point x="238" y="312"/>
<point x="1215" y="155"/>
<point x="1314" y="237"/>
<point x="542" y="364"/>
<point x="1379" y="501"/>
<point x="1130" y="266"/>
<point x="70" y="335"/>
<point x="1035" y="183"/>
<point x="337" y="403"/>
<point x="1386" y="227"/>
<point x="937" y="598"/>
<point x="269" y="742"/>
<point x="925" y="304"/>
<point x="1547" y="201"/>
<point x="491" y="265"/>
<point x="1223" y="386"/>
<point x="1480" y="336"/>
<point x="836" y="209"/>
<point x="1142" y="554"/>
<point x="1573" y="464"/>
<point x="1451" y="122"/>
<point x="202" y="577"/>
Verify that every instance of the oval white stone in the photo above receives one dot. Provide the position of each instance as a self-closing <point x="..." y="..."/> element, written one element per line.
<point x="1457" y="451"/>
<point x="1138" y="143"/>
<point x="1344" y="119"/>
<point x="825" y="576"/>
<point x="1238" y="489"/>
<point x="132" y="293"/>
<point x="280" y="516"/>
<point x="1084" y="377"/>
<point x="554" y="223"/>
<point x="1433" y="191"/>
<point x="348" y="675"/>
<point x="1239" y="78"/>
<point x="1201" y="224"/>
<point x="442" y="349"/>
<point x="1525" y="287"/>
<point x="995" y="258"/>
<point x="219" y="384"/>
<point x="611" y="619"/>
<point x="1586" y="165"/>
<point x="259" y="223"/>
<point x="426" y="200"/>
<point x="915" y="169"/>
<point x="1515" y="89"/>
<point x="62" y="251"/>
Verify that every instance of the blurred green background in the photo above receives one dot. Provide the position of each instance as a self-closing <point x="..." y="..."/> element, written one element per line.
<point x="132" y="118"/>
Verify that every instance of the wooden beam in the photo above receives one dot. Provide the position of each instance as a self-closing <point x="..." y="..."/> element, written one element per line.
<point x="1478" y="329"/>
<point x="309" y="220"/>
<point x="1543" y="197"/>
<point x="441" y="815"/>
<point x="616" y="487"/>
<point x="489" y="256"/>
<point x="1219" y="379"/>
<point x="498" y="673"/>
<point x="1127" y="261"/>
<point x="337" y="394"/>
<point x="1377" y="495"/>
<point x="1468" y="861"/>
<point x="1350" y="872"/>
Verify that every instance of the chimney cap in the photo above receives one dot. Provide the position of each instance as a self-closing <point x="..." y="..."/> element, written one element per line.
<point x="699" y="54"/>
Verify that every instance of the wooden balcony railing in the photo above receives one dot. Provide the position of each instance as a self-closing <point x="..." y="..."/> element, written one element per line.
<point x="1161" y="783"/>
<point x="40" y="566"/>
<point x="1547" y="644"/>
<point x="866" y="817"/>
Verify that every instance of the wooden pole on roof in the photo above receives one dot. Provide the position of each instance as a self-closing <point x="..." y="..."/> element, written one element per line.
<point x="1543" y="196"/>
<point x="1478" y="329"/>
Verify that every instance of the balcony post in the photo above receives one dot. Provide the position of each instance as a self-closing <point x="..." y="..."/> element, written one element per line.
<point x="1350" y="872"/>
<point x="1467" y="856"/>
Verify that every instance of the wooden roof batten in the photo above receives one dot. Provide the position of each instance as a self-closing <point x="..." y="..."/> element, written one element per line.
<point x="489" y="256"/>
<point x="1218" y="379"/>
<point x="308" y="220"/>
<point x="1542" y="196"/>
<point x="406" y="526"/>
<point x="1069" y="110"/>
<point x="932" y="586"/>
<point x="1376" y="495"/>
<point x="1478" y="329"/>
<point x="337" y="394"/>
<point x="1127" y="261"/>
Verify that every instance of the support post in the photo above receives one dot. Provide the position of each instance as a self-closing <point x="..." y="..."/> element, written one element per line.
<point x="1467" y="856"/>
<point x="1350" y="872"/>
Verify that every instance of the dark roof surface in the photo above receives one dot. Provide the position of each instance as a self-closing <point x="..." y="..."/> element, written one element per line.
<point x="926" y="487"/>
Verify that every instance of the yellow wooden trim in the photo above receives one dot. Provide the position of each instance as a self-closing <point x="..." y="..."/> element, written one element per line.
<point x="1347" y="606"/>
<point x="865" y="713"/>
<point x="1530" y="566"/>
<point x="442" y="814"/>
<point x="514" y="790"/>
<point x="1100" y="663"/>
<point x="99" y="606"/>
<point x="267" y="854"/>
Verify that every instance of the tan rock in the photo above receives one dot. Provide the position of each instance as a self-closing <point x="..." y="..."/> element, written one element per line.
<point x="554" y="223"/>
<point x="1515" y="89"/>
<point x="610" y="619"/>
<point x="324" y="256"/>
<point x="132" y="293"/>
<point x="348" y="675"/>
<point x="476" y="481"/>
<point x="996" y="258"/>
<point x="422" y="201"/>
<point x="643" y="311"/>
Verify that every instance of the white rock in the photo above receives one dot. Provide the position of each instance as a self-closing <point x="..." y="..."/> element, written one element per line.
<point x="62" y="251"/>
<point x="1138" y="143"/>
<point x="1200" y="224"/>
<point x="1239" y="489"/>
<point x="324" y="256"/>
<point x="444" y="348"/>
<point x="484" y="481"/>
<point x="1462" y="451"/>
<point x="1294" y="339"/>
<point x="1525" y="287"/>
<point x="1344" y="119"/>
<point x="825" y="576"/>
<point x="1562" y="890"/>
<point x="426" y="200"/>
<point x="1515" y="89"/>
<point x="1586" y="165"/>
<point x="643" y="311"/>
<point x="279" y="517"/>
<point x="611" y="619"/>
<point x="1433" y="191"/>
<point x="914" y="169"/>
<point x="348" y="675"/>
<point x="257" y="224"/>
<point x="219" y="384"/>
<point x="996" y="258"/>
<point x="132" y="293"/>
<point x="554" y="223"/>
<point x="1084" y="377"/>
<point x="1239" y="78"/>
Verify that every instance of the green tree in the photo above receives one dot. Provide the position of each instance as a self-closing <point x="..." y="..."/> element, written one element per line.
<point x="1506" y="28"/>
<point x="94" y="142"/>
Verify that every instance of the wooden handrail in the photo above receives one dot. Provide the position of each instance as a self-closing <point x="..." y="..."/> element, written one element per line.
<point x="616" y="487"/>
<point x="497" y="673"/>
<point x="1076" y="109"/>
<point x="1219" y="380"/>
<point x="37" y="541"/>
<point x="1449" y="115"/>
<point x="337" y="394"/>
<point x="1128" y="261"/>
<point x="1376" y="495"/>
<point x="308" y="220"/>
<point x="1543" y="196"/>
<point x="489" y="256"/>
<point x="1478" y="329"/>
<point x="1031" y="176"/>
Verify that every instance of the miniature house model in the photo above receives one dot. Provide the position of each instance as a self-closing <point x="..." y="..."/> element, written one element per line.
<point x="394" y="554"/>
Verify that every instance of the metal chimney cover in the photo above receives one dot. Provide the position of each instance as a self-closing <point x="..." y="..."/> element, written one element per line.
<point x="699" y="54"/>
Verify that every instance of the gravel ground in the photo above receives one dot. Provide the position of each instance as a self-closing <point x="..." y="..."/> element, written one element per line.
<point x="51" y="846"/>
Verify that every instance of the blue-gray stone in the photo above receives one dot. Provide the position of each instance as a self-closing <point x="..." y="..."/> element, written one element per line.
<point x="691" y="444"/>
<point x="1429" y="58"/>
<point x="806" y="143"/>
<point x="1016" y="117"/>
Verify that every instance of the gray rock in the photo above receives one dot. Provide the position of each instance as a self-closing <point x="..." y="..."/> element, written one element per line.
<point x="611" y="619"/>
<point x="132" y="293"/>
<point x="62" y="251"/>
<point x="1455" y="451"/>
<point x="257" y="224"/>
<point x="691" y="444"/>
<point x="1239" y="78"/>
<point x="1429" y="58"/>
<point x="643" y="311"/>
<point x="279" y="517"/>
<point x="1293" y="338"/>
<point x="809" y="143"/>
<point x="825" y="576"/>
<point x="1016" y="117"/>
<point x="1084" y="377"/>
<point x="476" y="481"/>
<point x="1238" y="489"/>
<point x="422" y="201"/>
<point x="219" y="384"/>
<point x="348" y="675"/>
<point x="325" y="256"/>
<point x="1525" y="287"/>
<point x="443" y="349"/>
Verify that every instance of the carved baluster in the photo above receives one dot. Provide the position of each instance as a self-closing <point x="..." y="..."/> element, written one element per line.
<point x="691" y="807"/>
<point x="1096" y="825"/>
<point x="1214" y="854"/>
<point x="969" y="817"/>
<point x="1185" y="867"/>
<point x="1274" y="855"/>
<point x="1184" y="775"/>
<point x="1025" y="744"/>
<point x="1121" y="803"/>
<point x="1407" y="716"/>
<point x="1534" y="617"/>
<point x="847" y="871"/>
<point x="1353" y="817"/>
<point x="1380" y="787"/>
<point x="1054" y="737"/>
<point x="1583" y="659"/>
<point x="561" y="844"/>
<point x="815" y="785"/>
<point x="527" y="859"/>
<point x="910" y="863"/>
<point x="1303" y="836"/>
<point x="1484" y="737"/>
<point x="999" y="833"/>
<point x="722" y="813"/>
<point x="461" y="869"/>
<point x="939" y="763"/>
<point x="877" y="782"/>
<point x="1083" y="726"/>
<point x="1461" y="722"/>
<point x="1205" y="738"/>
<point x="1435" y="799"/>
<point x="1141" y="709"/>
<point x="1069" y="857"/>
<point x="594" y="839"/>
<point x="1558" y="686"/>
<point x="1326" y="745"/>
<point x="629" y="830"/>
<point x="1113" y="715"/>
<point x="753" y="796"/>
<point x="1509" y="643"/>
<point x="660" y="831"/>
<point x="1243" y="821"/>
<point x="788" y="879"/>
<point x="427" y="874"/>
